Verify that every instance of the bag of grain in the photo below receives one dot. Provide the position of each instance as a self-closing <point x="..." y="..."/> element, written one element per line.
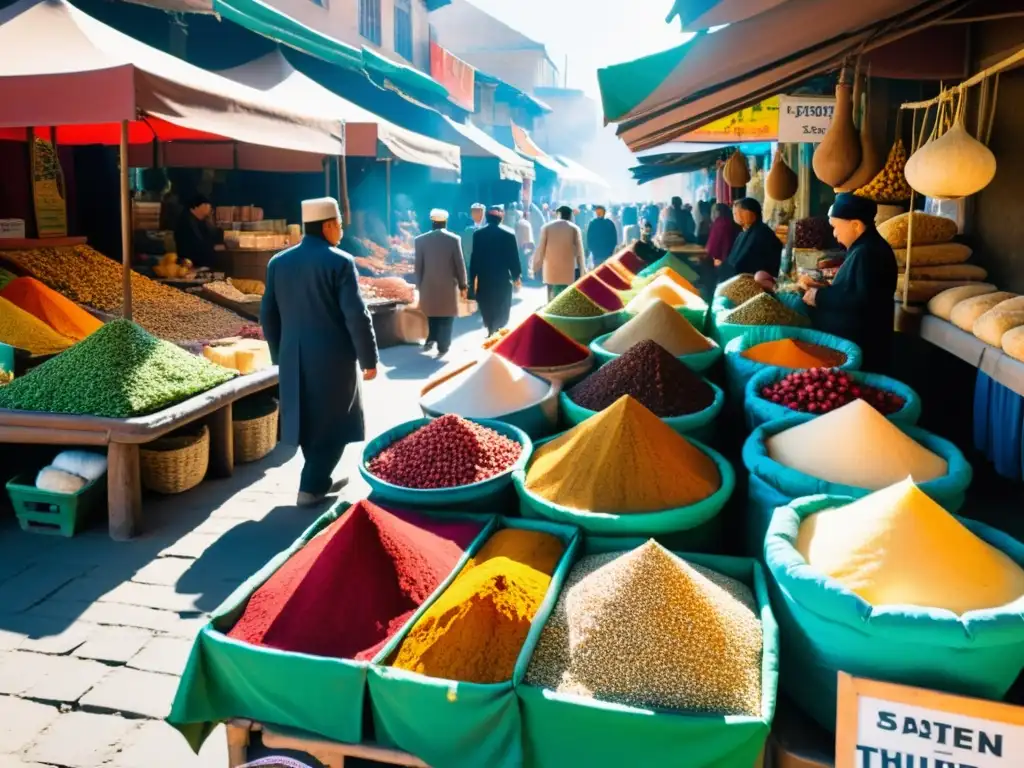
<point x="967" y="311"/>
<point x="941" y="305"/>
<point x="826" y="627"/>
<point x="991" y="326"/>
<point x="863" y="444"/>
<point x="921" y="291"/>
<point x="928" y="229"/>
<point x="969" y="272"/>
<point x="1013" y="343"/>
<point x="933" y="255"/>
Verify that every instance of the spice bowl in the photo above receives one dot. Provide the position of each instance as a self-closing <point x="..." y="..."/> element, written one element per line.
<point x="463" y="495"/>
<point x="537" y="420"/>
<point x="698" y="362"/>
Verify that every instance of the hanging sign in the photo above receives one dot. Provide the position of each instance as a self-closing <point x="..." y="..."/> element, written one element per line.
<point x="882" y="724"/>
<point x="455" y="75"/>
<point x="804" y="118"/>
<point x="48" y="190"/>
<point x="757" y="123"/>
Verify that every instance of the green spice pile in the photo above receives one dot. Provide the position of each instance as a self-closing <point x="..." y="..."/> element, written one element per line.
<point x="118" y="371"/>
<point x="647" y="629"/>
<point x="739" y="289"/>
<point x="573" y="303"/>
<point x="764" y="309"/>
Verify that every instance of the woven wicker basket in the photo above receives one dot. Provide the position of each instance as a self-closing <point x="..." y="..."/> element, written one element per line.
<point x="255" y="438"/>
<point x="175" y="464"/>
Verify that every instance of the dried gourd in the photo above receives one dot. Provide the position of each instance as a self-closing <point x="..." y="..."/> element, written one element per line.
<point x="870" y="157"/>
<point x="942" y="305"/>
<point x="952" y="165"/>
<point x="933" y="255"/>
<point x="736" y="171"/>
<point x="1013" y="343"/>
<point x="921" y="291"/>
<point x="781" y="183"/>
<point x="969" y="310"/>
<point x="991" y="326"/>
<point x="890" y="185"/>
<point x="837" y="157"/>
<point x="928" y="230"/>
<point x="961" y="272"/>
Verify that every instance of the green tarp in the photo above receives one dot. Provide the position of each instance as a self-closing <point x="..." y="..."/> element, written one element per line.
<point x="625" y="86"/>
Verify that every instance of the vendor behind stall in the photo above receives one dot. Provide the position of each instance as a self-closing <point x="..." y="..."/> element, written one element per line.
<point x="858" y="305"/>
<point x="757" y="248"/>
<point x="194" y="236"/>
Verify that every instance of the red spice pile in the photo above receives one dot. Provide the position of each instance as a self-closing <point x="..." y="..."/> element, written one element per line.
<point x="354" y="585"/>
<point x="820" y="390"/>
<point x="611" y="278"/>
<point x="446" y="453"/>
<point x="536" y="343"/>
<point x="599" y="293"/>
<point x="632" y="262"/>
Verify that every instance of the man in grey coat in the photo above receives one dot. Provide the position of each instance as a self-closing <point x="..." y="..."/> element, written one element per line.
<point x="441" y="280"/>
<point x="318" y="329"/>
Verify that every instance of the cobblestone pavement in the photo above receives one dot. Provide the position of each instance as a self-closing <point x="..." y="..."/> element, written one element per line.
<point x="94" y="633"/>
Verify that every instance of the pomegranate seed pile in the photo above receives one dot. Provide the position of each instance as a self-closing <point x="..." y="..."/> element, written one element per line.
<point x="820" y="390"/>
<point x="446" y="453"/>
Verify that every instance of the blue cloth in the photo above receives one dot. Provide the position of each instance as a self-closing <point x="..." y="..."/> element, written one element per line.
<point x="602" y="239"/>
<point x="318" y="328"/>
<point x="999" y="426"/>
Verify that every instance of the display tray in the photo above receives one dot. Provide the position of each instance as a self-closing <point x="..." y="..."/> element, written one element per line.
<point x="250" y="310"/>
<point x="991" y="361"/>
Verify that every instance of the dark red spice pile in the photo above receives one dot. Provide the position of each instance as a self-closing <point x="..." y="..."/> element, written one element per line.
<point x="251" y="332"/>
<point x="820" y="390"/>
<point x="599" y="293"/>
<point x="631" y="262"/>
<point x="649" y="374"/>
<point x="446" y="453"/>
<point x="355" y="584"/>
<point x="611" y="278"/>
<point x="536" y="343"/>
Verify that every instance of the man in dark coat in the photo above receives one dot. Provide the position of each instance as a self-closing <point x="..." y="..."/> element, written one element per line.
<point x="494" y="270"/>
<point x="757" y="248"/>
<point x="441" y="280"/>
<point x="858" y="305"/>
<point x="602" y="236"/>
<point x="318" y="329"/>
<point x="194" y="238"/>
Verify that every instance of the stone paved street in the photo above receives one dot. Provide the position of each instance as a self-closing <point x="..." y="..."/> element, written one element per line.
<point x="94" y="633"/>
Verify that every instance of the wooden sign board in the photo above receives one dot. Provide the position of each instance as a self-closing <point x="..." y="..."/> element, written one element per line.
<point x="883" y="725"/>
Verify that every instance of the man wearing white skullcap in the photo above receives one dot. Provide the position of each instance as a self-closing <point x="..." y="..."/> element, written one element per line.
<point x="318" y="330"/>
<point x="476" y="213"/>
<point x="441" y="279"/>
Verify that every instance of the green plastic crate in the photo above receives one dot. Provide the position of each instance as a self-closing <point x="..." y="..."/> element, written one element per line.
<point x="58" y="514"/>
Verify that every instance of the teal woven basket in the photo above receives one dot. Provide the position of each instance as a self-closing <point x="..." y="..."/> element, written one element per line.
<point x="441" y="497"/>
<point x="698" y="362"/>
<point x="584" y="329"/>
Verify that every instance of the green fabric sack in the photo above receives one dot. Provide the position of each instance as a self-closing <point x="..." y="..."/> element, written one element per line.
<point x="826" y="628"/>
<point x="562" y="730"/>
<point x="698" y="362"/>
<point x="773" y="485"/>
<point x="701" y="425"/>
<point x="759" y="411"/>
<point x="681" y="520"/>
<point x="585" y="329"/>
<point x="678" y="265"/>
<point x="225" y="678"/>
<point x="739" y="370"/>
<point x="450" y="724"/>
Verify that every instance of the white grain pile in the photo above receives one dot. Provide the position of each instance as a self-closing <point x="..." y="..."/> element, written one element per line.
<point x="491" y="388"/>
<point x="647" y="629"/>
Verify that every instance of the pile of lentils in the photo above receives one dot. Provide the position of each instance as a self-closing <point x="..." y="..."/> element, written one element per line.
<point x="573" y="303"/>
<point x="647" y="372"/>
<point x="739" y="289"/>
<point x="446" y="453"/>
<point x="764" y="309"/>
<point x="647" y="629"/>
<point x="821" y="390"/>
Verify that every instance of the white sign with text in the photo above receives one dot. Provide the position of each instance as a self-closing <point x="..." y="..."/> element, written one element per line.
<point x="804" y="118"/>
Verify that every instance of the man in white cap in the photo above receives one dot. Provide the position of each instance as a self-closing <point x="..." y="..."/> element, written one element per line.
<point x="318" y="329"/>
<point x="476" y="213"/>
<point x="441" y="280"/>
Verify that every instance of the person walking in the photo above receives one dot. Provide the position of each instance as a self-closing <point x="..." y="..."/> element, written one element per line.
<point x="559" y="255"/>
<point x="318" y="330"/>
<point x="602" y="236"/>
<point x="495" y="270"/>
<point x="441" y="280"/>
<point x="476" y="214"/>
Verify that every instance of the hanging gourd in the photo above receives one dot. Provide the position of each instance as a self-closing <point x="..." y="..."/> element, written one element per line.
<point x="951" y="164"/>
<point x="782" y="182"/>
<point x="837" y="157"/>
<point x="870" y="157"/>
<point x="736" y="171"/>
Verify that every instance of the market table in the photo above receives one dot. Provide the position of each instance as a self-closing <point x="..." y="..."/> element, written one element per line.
<point x="250" y="310"/>
<point x="988" y="359"/>
<point x="123" y="437"/>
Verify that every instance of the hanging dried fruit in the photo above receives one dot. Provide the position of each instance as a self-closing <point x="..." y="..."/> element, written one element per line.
<point x="781" y="183"/>
<point x="890" y="185"/>
<point x="736" y="171"/>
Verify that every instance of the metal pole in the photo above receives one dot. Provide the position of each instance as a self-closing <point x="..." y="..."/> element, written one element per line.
<point x="327" y="178"/>
<point x="126" y="227"/>
<point x="341" y="168"/>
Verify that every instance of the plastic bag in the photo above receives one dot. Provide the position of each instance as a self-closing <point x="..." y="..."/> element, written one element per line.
<point x="85" y="464"/>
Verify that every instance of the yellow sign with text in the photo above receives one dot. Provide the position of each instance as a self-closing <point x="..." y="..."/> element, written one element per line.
<point x="757" y="123"/>
<point x="883" y="724"/>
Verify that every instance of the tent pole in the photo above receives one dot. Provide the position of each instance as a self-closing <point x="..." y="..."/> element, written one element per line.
<point x="327" y="178"/>
<point x="387" y="193"/>
<point x="341" y="168"/>
<point x="126" y="227"/>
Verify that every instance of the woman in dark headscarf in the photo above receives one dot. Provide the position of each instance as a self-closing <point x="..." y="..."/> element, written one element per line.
<point x="722" y="235"/>
<point x="757" y="248"/>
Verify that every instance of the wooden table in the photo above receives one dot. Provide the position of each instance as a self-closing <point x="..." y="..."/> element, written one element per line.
<point x="122" y="437"/>
<point x="331" y="753"/>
